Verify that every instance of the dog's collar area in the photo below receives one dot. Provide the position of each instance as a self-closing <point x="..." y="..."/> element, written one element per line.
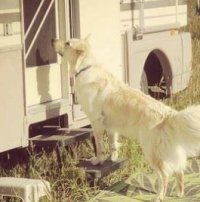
<point x="82" y="70"/>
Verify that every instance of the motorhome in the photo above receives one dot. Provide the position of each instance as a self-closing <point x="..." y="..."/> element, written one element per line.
<point x="140" y="41"/>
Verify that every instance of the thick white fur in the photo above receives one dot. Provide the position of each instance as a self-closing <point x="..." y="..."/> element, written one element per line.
<point x="166" y="136"/>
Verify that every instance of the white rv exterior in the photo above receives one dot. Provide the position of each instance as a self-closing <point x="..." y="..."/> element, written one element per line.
<point x="140" y="42"/>
<point x="154" y="45"/>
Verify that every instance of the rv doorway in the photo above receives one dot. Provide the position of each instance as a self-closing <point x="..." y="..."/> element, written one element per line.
<point x="42" y="70"/>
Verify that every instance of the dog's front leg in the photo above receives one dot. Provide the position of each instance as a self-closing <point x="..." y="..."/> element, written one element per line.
<point x="98" y="137"/>
<point x="114" y="146"/>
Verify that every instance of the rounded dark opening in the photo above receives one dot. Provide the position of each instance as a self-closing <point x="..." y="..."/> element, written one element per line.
<point x="153" y="69"/>
<point x="155" y="77"/>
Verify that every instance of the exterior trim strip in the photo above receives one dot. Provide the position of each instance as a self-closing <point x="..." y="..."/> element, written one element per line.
<point x="150" y="4"/>
<point x="10" y="17"/>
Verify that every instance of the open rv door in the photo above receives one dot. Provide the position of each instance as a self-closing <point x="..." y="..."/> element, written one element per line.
<point x="42" y="69"/>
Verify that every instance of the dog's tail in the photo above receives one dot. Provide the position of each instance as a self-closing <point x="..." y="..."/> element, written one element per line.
<point x="187" y="126"/>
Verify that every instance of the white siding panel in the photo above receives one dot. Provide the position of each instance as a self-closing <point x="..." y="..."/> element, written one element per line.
<point x="43" y="84"/>
<point x="153" y="16"/>
<point x="101" y="19"/>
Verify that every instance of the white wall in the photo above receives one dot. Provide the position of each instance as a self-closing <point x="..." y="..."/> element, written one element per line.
<point x="101" y="20"/>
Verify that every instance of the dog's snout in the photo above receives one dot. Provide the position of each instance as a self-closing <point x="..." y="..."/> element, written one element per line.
<point x="53" y="41"/>
<point x="67" y="43"/>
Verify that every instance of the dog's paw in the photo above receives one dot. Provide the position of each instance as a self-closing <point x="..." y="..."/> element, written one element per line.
<point x="180" y="194"/>
<point x="96" y="161"/>
<point x="157" y="199"/>
<point x="114" y="156"/>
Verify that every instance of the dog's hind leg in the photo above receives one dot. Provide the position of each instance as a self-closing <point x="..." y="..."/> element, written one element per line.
<point x="163" y="182"/>
<point x="113" y="145"/>
<point x="180" y="183"/>
<point x="98" y="137"/>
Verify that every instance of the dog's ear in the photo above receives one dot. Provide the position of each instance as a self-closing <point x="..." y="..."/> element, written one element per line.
<point x="82" y="47"/>
<point x="87" y="38"/>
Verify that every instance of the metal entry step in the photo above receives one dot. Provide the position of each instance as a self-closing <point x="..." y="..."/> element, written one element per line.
<point x="59" y="139"/>
<point x="64" y="137"/>
<point x="99" y="171"/>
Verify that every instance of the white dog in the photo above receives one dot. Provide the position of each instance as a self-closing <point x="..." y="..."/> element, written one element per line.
<point x="166" y="136"/>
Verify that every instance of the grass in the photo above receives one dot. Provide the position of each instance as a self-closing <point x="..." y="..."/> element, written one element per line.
<point x="68" y="183"/>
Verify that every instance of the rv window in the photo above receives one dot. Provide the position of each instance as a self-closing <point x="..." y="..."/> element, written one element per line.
<point x="40" y="28"/>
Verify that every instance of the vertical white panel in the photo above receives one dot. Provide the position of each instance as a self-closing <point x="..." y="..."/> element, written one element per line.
<point x="12" y="103"/>
<point x="101" y="20"/>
